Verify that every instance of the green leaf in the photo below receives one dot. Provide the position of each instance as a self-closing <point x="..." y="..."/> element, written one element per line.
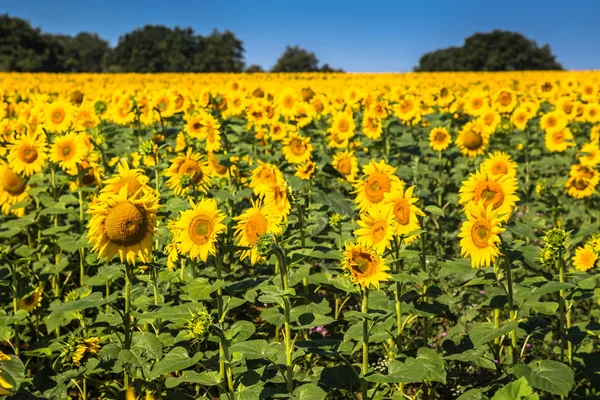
<point x="515" y="390"/>
<point x="548" y="375"/>
<point x="177" y="359"/>
<point x="209" y="378"/>
<point x="309" y="391"/>
<point x="432" y="364"/>
<point x="484" y="332"/>
<point x="473" y="394"/>
<point x="251" y="349"/>
<point x="55" y="318"/>
<point x="434" y="210"/>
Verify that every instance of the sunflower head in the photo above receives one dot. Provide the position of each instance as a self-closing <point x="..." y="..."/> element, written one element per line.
<point x="364" y="266"/>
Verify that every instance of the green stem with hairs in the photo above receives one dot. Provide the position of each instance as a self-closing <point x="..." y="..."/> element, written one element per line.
<point x="511" y="305"/>
<point x="283" y="269"/>
<point x="224" y="366"/>
<point x="365" y="347"/>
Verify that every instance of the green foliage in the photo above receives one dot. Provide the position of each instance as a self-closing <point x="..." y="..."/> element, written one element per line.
<point x="494" y="51"/>
<point x="296" y="59"/>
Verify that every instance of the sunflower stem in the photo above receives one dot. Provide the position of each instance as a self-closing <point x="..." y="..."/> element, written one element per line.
<point x="365" y="347"/>
<point x="127" y="318"/>
<point x="283" y="269"/>
<point x="13" y="271"/>
<point x="562" y="306"/>
<point x="224" y="367"/>
<point x="511" y="306"/>
<point x="398" y="293"/>
<point x="81" y="225"/>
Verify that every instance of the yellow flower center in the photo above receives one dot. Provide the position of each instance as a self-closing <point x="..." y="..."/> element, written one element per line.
<point x="66" y="151"/>
<point x="402" y="212"/>
<point x="200" y="230"/>
<point x="58" y="116"/>
<point x="361" y="263"/>
<point x="481" y="232"/>
<point x="297" y="147"/>
<point x="558" y="137"/>
<point x="500" y="168"/>
<point x="28" y="153"/>
<point x="192" y="169"/>
<point x="378" y="231"/>
<point x="491" y="193"/>
<point x="345" y="166"/>
<point x="126" y="224"/>
<point x="343" y="125"/>
<point x="472" y="140"/>
<point x="440" y="136"/>
<point x="255" y="228"/>
<point x="12" y="183"/>
<point x="505" y="99"/>
<point x="376" y="186"/>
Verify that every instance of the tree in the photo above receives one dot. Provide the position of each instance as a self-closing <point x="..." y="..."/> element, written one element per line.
<point x="22" y="48"/>
<point x="87" y="52"/>
<point x="296" y="59"/>
<point x="157" y="48"/>
<point x="221" y="52"/>
<point x="254" y="68"/>
<point x="494" y="51"/>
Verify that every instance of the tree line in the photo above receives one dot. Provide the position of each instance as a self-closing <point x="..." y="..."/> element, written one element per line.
<point x="152" y="48"/>
<point x="157" y="48"/>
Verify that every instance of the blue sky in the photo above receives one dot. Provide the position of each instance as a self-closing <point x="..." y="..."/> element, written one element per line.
<point x="362" y="36"/>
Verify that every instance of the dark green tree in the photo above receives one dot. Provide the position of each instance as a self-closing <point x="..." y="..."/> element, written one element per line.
<point x="22" y="48"/>
<point x="156" y="48"/>
<point x="87" y="52"/>
<point x="221" y="52"/>
<point x="254" y="68"/>
<point x="296" y="59"/>
<point x="494" y="51"/>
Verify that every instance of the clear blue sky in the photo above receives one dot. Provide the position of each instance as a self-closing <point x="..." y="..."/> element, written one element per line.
<point x="363" y="36"/>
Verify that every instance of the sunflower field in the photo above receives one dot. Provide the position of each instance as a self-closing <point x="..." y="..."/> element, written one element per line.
<point x="300" y="236"/>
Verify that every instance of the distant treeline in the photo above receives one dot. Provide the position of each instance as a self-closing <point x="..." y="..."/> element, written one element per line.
<point x="157" y="48"/>
<point x="152" y="48"/>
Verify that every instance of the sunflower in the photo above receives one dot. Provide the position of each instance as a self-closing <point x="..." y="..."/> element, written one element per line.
<point x="124" y="225"/>
<point x="589" y="154"/>
<point x="303" y="114"/>
<point x="91" y="174"/>
<point x="379" y="178"/>
<point x="472" y="139"/>
<point x="134" y="179"/>
<point x="58" y="116"/>
<point x="87" y="347"/>
<point x="216" y="166"/>
<point x="497" y="191"/>
<point x="489" y="121"/>
<point x="371" y="126"/>
<point x="376" y="228"/>
<point x="553" y="122"/>
<point x="480" y="235"/>
<point x="252" y="224"/>
<point x="439" y="139"/>
<point x="68" y="150"/>
<point x="520" y="117"/>
<point x="347" y="164"/>
<point x="476" y="103"/>
<point x="405" y="212"/>
<point x="499" y="163"/>
<point x="504" y="100"/>
<point x="558" y="141"/>
<point x="585" y="258"/>
<point x="31" y="301"/>
<point x="27" y="155"/>
<point x="305" y="171"/>
<point x="586" y="172"/>
<point x="278" y="131"/>
<point x="297" y="149"/>
<point x="592" y="113"/>
<point x="196" y="172"/>
<point x="13" y="190"/>
<point x="263" y="176"/>
<point x="197" y="229"/>
<point x="364" y="266"/>
<point x="276" y="200"/>
<point x="342" y="124"/>
<point x="580" y="187"/>
<point x="164" y="103"/>
<point x="286" y="101"/>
